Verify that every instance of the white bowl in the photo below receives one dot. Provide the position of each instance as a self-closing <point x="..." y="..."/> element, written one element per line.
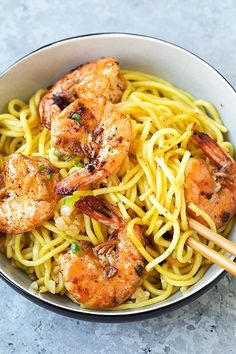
<point x="47" y="64"/>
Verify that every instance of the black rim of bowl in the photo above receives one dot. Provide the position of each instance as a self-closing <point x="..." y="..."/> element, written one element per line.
<point x="122" y="317"/>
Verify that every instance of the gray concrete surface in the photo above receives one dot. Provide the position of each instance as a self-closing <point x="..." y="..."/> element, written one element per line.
<point x="207" y="28"/>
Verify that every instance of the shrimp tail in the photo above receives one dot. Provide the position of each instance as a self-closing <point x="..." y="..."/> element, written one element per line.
<point x="212" y="149"/>
<point x="80" y="179"/>
<point x="100" y="210"/>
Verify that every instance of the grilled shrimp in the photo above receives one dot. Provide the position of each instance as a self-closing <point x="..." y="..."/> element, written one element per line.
<point x="105" y="144"/>
<point x="96" y="79"/>
<point x="27" y="195"/>
<point x="212" y="187"/>
<point x="108" y="274"/>
<point x="72" y="130"/>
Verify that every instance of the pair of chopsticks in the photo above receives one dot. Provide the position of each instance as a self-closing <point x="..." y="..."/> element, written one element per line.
<point x="208" y="252"/>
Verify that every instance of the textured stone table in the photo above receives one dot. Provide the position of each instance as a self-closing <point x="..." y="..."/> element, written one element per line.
<point x="207" y="28"/>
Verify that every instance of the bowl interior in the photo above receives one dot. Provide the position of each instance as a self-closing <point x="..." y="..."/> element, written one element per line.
<point x="45" y="66"/>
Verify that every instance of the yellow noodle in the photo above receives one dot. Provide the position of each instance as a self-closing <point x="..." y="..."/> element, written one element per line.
<point x="148" y="188"/>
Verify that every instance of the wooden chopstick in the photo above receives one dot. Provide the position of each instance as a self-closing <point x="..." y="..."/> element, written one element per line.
<point x="212" y="255"/>
<point x="213" y="236"/>
<point x="208" y="252"/>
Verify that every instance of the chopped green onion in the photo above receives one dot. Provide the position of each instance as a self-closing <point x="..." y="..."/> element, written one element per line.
<point x="70" y="201"/>
<point x="42" y="168"/>
<point x="77" y="118"/>
<point x="57" y="153"/>
<point x="75" y="248"/>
